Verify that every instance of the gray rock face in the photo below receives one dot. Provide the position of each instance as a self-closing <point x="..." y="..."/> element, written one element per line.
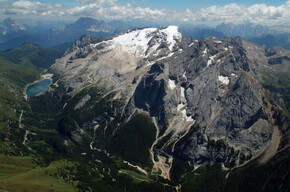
<point x="205" y="95"/>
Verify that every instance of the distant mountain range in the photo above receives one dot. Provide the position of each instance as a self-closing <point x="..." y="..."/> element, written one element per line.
<point x="13" y="33"/>
<point x="258" y="34"/>
<point x="243" y="30"/>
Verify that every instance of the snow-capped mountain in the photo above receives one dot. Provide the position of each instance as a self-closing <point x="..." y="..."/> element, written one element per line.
<point x="203" y="96"/>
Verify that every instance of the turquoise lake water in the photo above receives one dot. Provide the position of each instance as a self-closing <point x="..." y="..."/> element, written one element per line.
<point x="38" y="87"/>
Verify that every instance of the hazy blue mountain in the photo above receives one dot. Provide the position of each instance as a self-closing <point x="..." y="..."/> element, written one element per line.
<point x="242" y="30"/>
<point x="199" y="33"/>
<point x="57" y="37"/>
<point x="272" y="40"/>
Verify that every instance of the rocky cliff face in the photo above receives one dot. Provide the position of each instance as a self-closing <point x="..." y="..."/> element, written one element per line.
<point x="204" y="96"/>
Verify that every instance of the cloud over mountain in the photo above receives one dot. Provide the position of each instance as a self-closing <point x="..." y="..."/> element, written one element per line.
<point x="112" y="9"/>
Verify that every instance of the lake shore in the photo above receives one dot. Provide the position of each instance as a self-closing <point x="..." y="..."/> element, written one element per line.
<point x="42" y="77"/>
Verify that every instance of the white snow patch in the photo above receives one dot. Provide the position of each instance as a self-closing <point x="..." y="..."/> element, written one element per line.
<point x="134" y="42"/>
<point x="182" y="92"/>
<point x="210" y="61"/>
<point x="224" y="79"/>
<point x="226" y="48"/>
<point x="184" y="76"/>
<point x="180" y="50"/>
<point x="172" y="34"/>
<point x="233" y="75"/>
<point x="183" y="112"/>
<point x="171" y="84"/>
<point x="180" y="106"/>
<point x="218" y="41"/>
<point x="204" y="52"/>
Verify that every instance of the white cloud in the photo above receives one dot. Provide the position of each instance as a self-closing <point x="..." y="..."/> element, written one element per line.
<point x="99" y="2"/>
<point x="28" y="8"/>
<point x="117" y="12"/>
<point x="111" y="9"/>
<point x="258" y="13"/>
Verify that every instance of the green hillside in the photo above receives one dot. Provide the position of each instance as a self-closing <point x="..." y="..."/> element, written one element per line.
<point x="32" y="55"/>
<point x="18" y="67"/>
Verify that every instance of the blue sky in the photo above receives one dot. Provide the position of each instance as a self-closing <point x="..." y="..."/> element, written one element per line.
<point x="178" y="5"/>
<point x="209" y="12"/>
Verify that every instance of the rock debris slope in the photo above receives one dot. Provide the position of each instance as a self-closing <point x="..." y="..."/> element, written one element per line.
<point x="204" y="96"/>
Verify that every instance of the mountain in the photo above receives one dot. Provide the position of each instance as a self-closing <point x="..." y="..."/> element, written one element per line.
<point x="243" y="30"/>
<point x="207" y="91"/>
<point x="60" y="37"/>
<point x="151" y="110"/>
<point x="83" y="26"/>
<point x="199" y="33"/>
<point x="255" y="33"/>
<point x="272" y="40"/>
<point x="258" y="34"/>
<point x="12" y="25"/>
<point x="10" y="29"/>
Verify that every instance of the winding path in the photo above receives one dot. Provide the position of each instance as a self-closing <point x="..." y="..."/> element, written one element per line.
<point x="20" y="119"/>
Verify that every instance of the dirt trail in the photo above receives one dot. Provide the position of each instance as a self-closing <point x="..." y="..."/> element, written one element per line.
<point x="25" y="136"/>
<point x="20" y="119"/>
<point x="137" y="167"/>
<point x="161" y="164"/>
